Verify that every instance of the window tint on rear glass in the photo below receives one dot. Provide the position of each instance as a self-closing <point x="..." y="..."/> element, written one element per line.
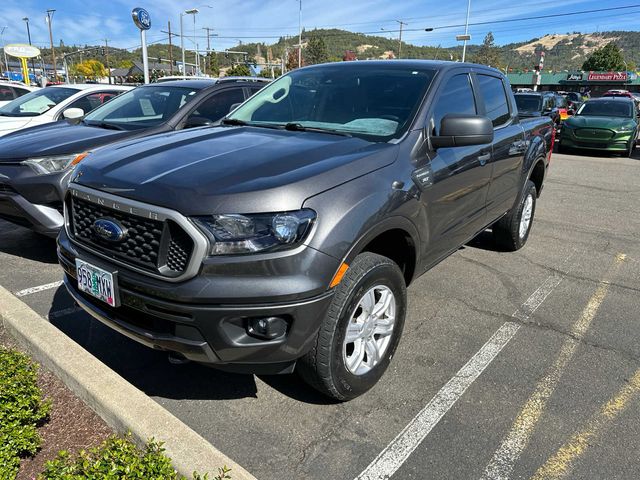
<point x="455" y="97"/>
<point x="495" y="99"/>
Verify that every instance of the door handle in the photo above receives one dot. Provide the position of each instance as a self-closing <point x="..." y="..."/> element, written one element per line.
<point x="484" y="158"/>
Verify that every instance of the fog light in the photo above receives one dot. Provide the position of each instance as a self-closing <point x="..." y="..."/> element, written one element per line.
<point x="267" y="328"/>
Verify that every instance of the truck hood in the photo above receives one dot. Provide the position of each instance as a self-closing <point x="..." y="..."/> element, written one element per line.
<point x="56" y="138"/>
<point x="613" y="123"/>
<point x="231" y="169"/>
<point x="9" y="124"/>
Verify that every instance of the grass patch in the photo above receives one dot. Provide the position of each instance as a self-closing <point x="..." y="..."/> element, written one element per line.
<point x="22" y="410"/>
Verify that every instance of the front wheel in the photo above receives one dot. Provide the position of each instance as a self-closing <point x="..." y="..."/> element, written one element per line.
<point x="360" y="333"/>
<point x="512" y="231"/>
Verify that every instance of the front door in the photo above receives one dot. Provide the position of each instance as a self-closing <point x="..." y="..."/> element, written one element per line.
<point x="454" y="195"/>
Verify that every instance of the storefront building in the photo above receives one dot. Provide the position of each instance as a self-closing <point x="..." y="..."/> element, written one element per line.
<point x="596" y="83"/>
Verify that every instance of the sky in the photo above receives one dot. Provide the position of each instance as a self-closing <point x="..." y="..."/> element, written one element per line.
<point x="90" y="22"/>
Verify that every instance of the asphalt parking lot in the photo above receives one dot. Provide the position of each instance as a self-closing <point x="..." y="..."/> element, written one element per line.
<point x="511" y="365"/>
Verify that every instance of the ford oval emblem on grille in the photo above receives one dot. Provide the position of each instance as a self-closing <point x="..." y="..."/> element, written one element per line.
<point x="110" y="230"/>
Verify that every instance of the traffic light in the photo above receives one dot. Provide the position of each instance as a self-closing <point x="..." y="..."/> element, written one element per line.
<point x="102" y="50"/>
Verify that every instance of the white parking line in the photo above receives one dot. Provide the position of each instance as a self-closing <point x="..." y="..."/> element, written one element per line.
<point x="39" y="288"/>
<point x="401" y="447"/>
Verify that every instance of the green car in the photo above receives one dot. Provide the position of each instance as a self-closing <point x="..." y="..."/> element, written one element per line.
<point x="607" y="123"/>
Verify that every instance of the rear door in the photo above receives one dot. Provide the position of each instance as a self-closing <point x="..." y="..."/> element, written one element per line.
<point x="508" y="144"/>
<point x="457" y="178"/>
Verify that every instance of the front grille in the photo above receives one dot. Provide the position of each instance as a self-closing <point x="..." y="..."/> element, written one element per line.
<point x="594" y="134"/>
<point x="159" y="247"/>
<point x="8" y="189"/>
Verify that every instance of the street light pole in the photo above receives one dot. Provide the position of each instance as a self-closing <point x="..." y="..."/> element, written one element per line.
<point x="466" y="31"/>
<point x="50" y="13"/>
<point x="6" y="65"/>
<point x="26" y="19"/>
<point x="400" y="37"/>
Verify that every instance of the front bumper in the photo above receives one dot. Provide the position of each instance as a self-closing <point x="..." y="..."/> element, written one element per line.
<point x="199" y="320"/>
<point x="30" y="200"/>
<point x="618" y="143"/>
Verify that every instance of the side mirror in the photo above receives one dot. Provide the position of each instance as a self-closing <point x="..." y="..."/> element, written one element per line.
<point x="193" y="122"/>
<point x="458" y="130"/>
<point x="73" y="115"/>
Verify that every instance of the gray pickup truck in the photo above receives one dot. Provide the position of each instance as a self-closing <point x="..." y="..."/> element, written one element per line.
<point x="284" y="238"/>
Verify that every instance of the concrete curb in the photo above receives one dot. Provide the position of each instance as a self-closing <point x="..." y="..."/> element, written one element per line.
<point x="120" y="404"/>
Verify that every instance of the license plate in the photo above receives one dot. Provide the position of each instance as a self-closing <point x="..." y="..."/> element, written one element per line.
<point x="96" y="282"/>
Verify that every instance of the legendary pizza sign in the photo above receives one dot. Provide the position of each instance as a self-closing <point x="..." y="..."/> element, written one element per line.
<point x="608" y="77"/>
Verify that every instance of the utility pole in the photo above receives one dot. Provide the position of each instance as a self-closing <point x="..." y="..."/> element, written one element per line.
<point x="170" y="51"/>
<point x="208" y="29"/>
<point x="106" y="51"/>
<point x="300" y="35"/>
<point x="400" y="37"/>
<point x="50" y="13"/>
<point x="466" y="32"/>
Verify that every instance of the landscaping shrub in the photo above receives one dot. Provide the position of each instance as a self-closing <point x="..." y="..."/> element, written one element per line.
<point x="118" y="458"/>
<point x="22" y="410"/>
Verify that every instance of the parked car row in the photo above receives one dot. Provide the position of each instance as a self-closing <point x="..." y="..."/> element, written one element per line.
<point x="275" y="229"/>
<point x="9" y="91"/>
<point x="35" y="162"/>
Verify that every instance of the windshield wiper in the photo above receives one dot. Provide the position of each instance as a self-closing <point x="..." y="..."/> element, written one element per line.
<point x="233" y="121"/>
<point x="298" y="127"/>
<point x="108" y="126"/>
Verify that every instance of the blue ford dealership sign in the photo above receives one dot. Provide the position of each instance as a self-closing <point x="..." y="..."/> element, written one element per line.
<point x="141" y="18"/>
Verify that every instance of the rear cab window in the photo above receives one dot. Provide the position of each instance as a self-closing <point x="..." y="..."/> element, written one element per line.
<point x="495" y="99"/>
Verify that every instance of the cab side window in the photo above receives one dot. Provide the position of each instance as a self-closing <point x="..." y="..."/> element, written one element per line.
<point x="495" y="99"/>
<point x="219" y="104"/>
<point x="455" y="97"/>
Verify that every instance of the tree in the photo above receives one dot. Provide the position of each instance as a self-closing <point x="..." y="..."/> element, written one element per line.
<point x="266" y="72"/>
<point x="292" y="60"/>
<point x="316" y="51"/>
<point x="488" y="53"/>
<point x="91" y="69"/>
<point x="606" y="59"/>
<point x="239" y="70"/>
<point x="213" y="68"/>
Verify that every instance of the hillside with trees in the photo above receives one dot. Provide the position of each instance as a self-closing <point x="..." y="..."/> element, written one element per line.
<point x="568" y="51"/>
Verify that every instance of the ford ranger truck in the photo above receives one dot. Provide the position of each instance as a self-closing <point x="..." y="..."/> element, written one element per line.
<point x="285" y="237"/>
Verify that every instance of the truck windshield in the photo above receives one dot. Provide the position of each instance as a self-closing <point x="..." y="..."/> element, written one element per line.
<point x="367" y="101"/>
<point x="602" y="108"/>
<point x="37" y="102"/>
<point x="142" y="107"/>
<point x="529" y="103"/>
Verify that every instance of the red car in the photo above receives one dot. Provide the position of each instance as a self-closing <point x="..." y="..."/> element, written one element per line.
<point x="618" y="93"/>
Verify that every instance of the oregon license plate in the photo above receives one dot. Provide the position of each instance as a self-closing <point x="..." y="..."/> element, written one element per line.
<point x="96" y="282"/>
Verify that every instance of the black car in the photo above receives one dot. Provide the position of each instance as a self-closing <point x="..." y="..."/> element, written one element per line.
<point x="538" y="104"/>
<point x="285" y="238"/>
<point x="35" y="162"/>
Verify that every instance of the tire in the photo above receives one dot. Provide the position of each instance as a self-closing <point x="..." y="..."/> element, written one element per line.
<point x="331" y="364"/>
<point x="507" y="231"/>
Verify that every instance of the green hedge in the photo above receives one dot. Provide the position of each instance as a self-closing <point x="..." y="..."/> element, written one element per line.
<point x="118" y="458"/>
<point x="22" y="410"/>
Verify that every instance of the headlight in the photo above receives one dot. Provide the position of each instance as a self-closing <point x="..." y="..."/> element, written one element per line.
<point x="54" y="164"/>
<point x="237" y="234"/>
<point x="626" y="128"/>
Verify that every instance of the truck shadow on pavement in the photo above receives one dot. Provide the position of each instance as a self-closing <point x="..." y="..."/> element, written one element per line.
<point x="150" y="371"/>
<point x="20" y="242"/>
